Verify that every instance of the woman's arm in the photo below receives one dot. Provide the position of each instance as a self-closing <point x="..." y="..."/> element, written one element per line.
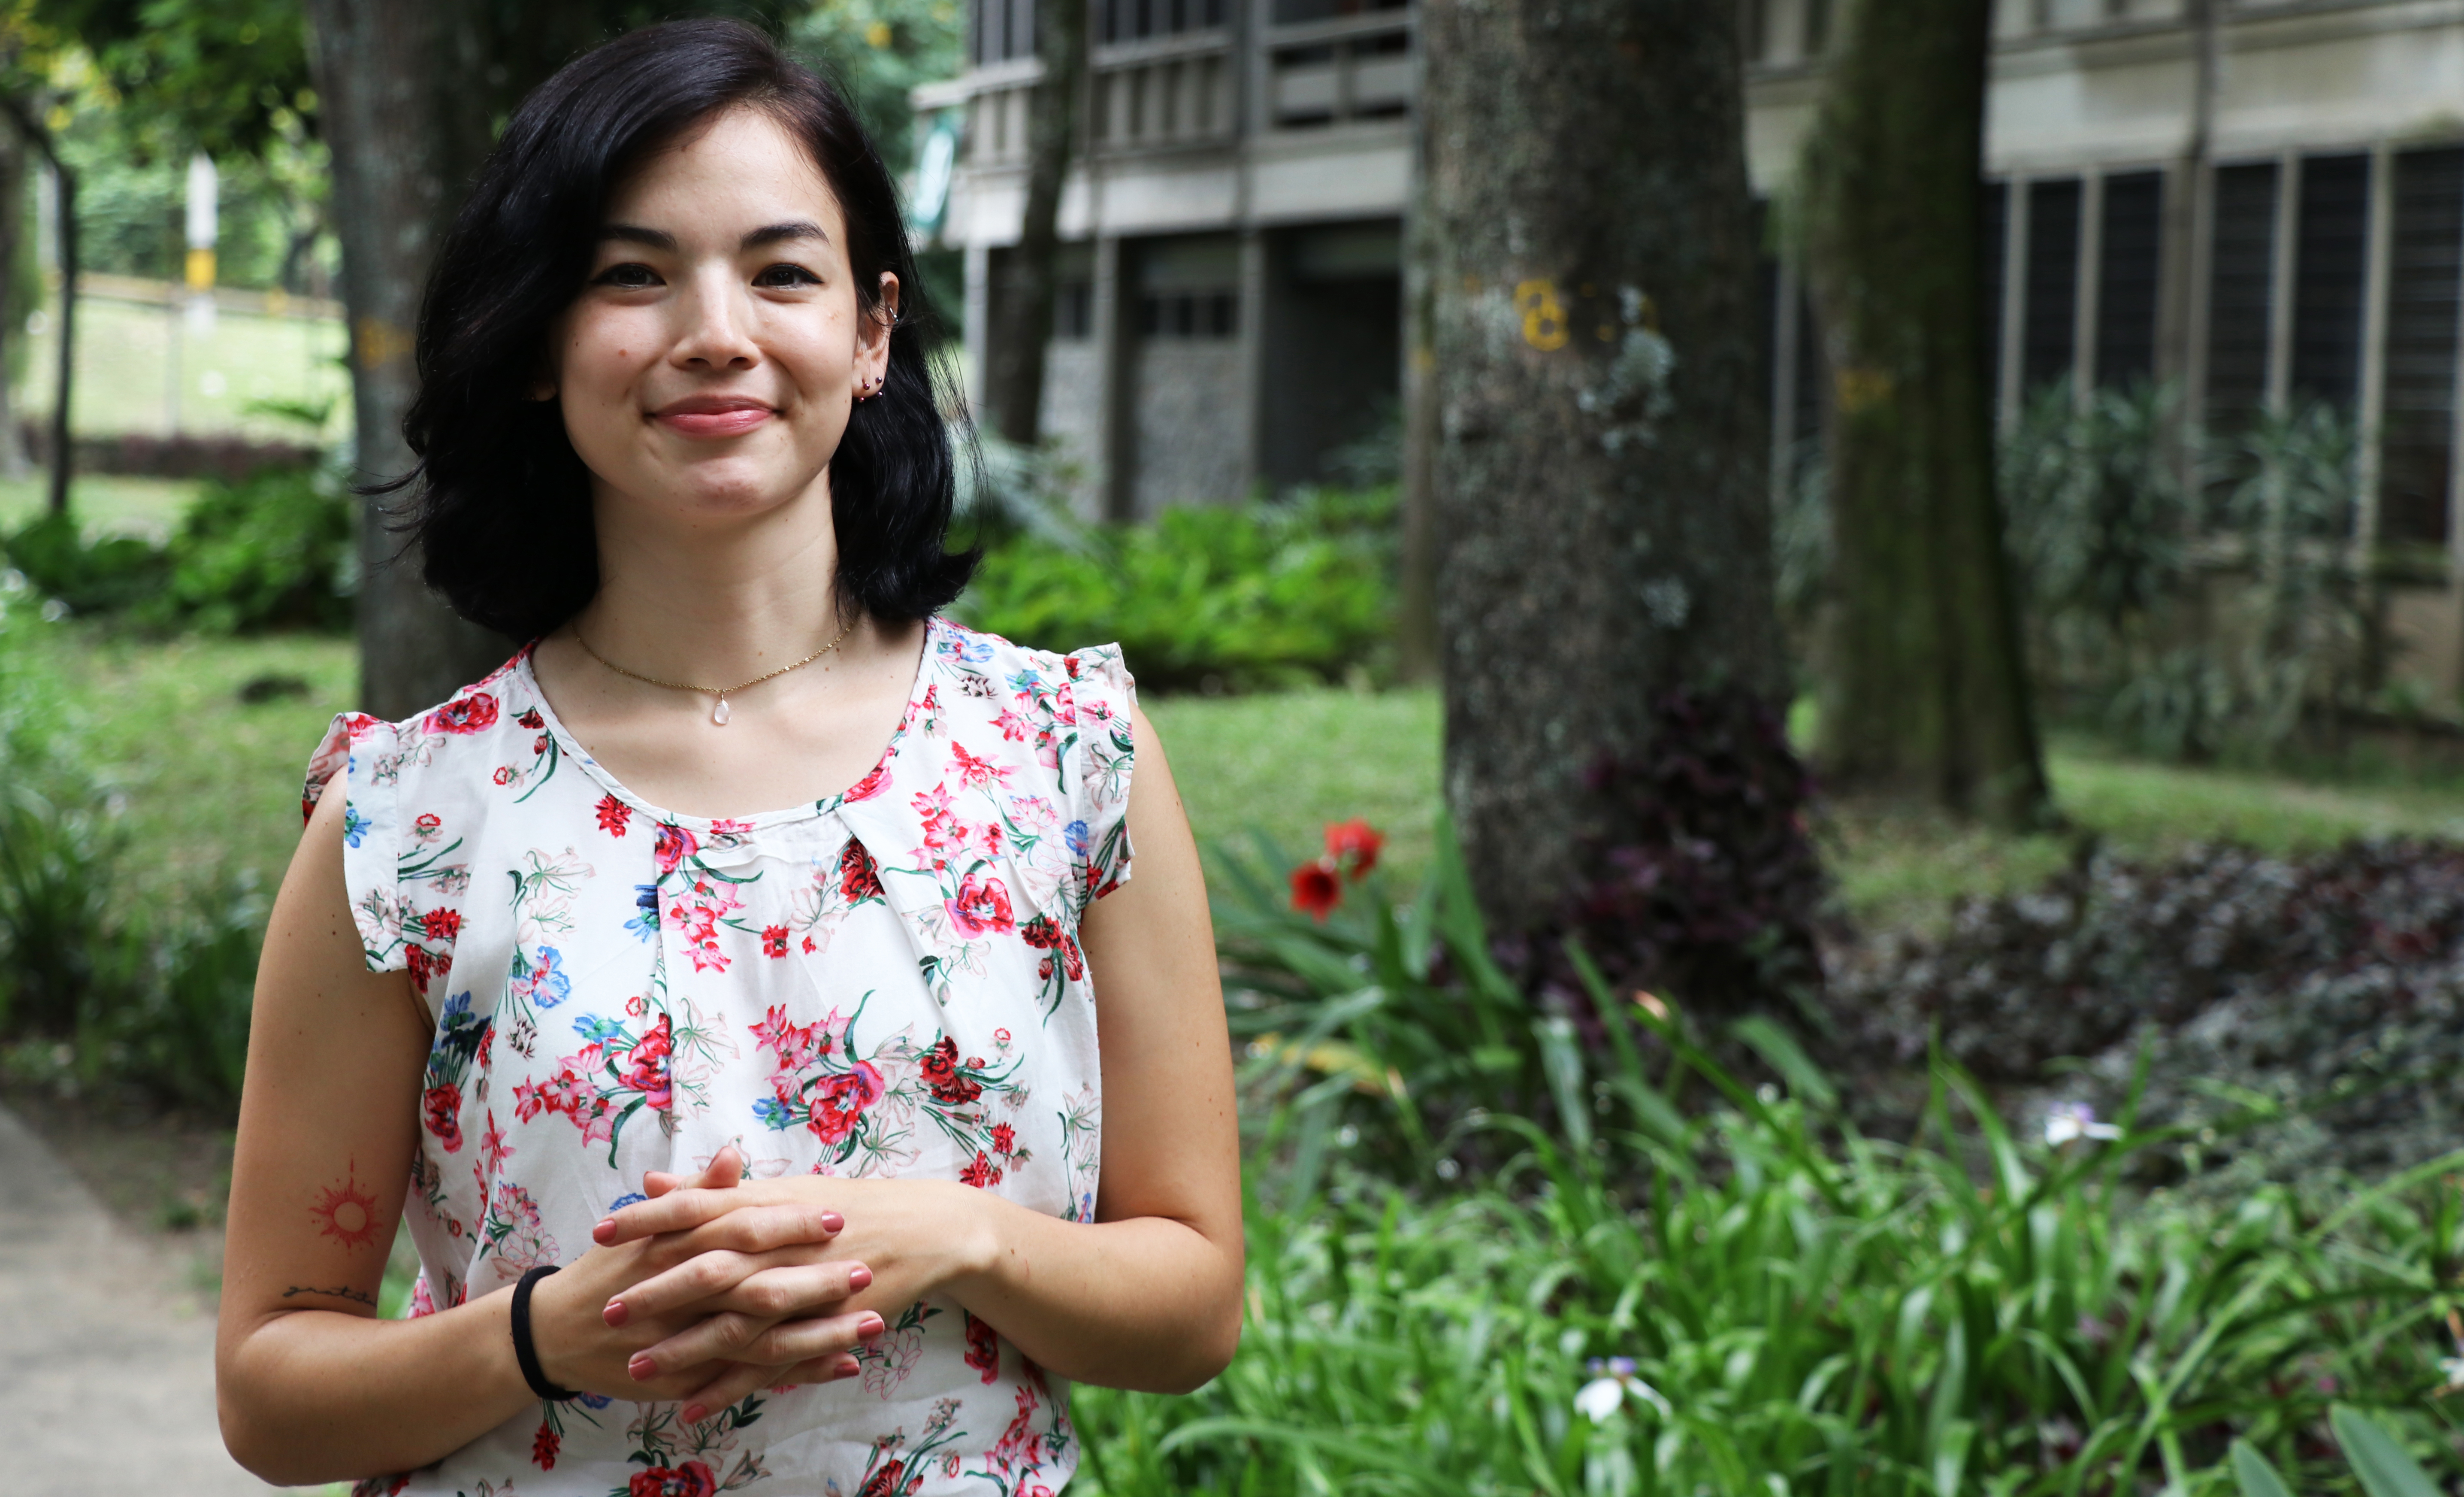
<point x="313" y="1386"/>
<point x="1149" y="1295"/>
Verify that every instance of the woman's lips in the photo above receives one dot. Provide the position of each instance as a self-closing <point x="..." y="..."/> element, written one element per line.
<point x="712" y="418"/>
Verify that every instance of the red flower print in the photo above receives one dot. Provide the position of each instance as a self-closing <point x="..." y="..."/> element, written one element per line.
<point x="859" y="876"/>
<point x="809" y="947"/>
<point x="464" y="714"/>
<point x="544" y="1447"/>
<point x="884" y="1481"/>
<point x="440" y="925"/>
<point x="504" y="774"/>
<point x="872" y="784"/>
<point x="425" y="825"/>
<point x="1353" y="846"/>
<point x="774" y="940"/>
<point x="976" y="772"/>
<point x="1004" y="1139"/>
<point x="842" y="1099"/>
<point x="984" y="1349"/>
<point x="941" y="1074"/>
<point x="674" y="846"/>
<point x="982" y="1173"/>
<point x="1042" y="933"/>
<point x="646" y="1066"/>
<point x="443" y="1106"/>
<point x="981" y="907"/>
<point x="693" y="1479"/>
<point x="539" y="745"/>
<point x="531" y="718"/>
<point x="425" y="965"/>
<point x="1314" y="889"/>
<point x="613" y="815"/>
<point x="1014" y="728"/>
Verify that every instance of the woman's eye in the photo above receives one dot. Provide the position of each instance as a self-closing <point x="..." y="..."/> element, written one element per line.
<point x="786" y="275"/>
<point x="632" y="276"/>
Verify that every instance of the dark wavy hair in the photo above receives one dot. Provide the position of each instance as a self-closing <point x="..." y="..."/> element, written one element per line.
<point x="503" y="502"/>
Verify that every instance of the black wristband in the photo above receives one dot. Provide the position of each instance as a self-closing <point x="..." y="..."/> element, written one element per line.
<point x="526" y="1354"/>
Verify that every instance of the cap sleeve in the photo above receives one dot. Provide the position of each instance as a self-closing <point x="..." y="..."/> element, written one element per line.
<point x="1102" y="694"/>
<point x="351" y="755"/>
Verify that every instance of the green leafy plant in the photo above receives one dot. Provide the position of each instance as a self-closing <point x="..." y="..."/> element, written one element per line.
<point x="99" y="576"/>
<point x="273" y="551"/>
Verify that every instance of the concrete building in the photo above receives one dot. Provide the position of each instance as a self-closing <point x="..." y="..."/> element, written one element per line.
<point x="1234" y="300"/>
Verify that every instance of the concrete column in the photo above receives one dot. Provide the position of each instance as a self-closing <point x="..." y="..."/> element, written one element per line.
<point x="1115" y="423"/>
<point x="2010" y="377"/>
<point x="1252" y="412"/>
<point x="978" y="319"/>
<point x="2279" y="294"/>
<point x="2381" y="255"/>
<point x="2090" y="288"/>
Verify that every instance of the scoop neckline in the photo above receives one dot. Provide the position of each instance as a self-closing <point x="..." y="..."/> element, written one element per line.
<point x="571" y="747"/>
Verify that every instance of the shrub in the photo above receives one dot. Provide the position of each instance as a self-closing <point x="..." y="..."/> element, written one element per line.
<point x="90" y="577"/>
<point x="273" y="551"/>
<point x="1215" y="598"/>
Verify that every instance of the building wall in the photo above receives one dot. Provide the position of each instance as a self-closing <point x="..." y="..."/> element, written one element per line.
<point x="1188" y="451"/>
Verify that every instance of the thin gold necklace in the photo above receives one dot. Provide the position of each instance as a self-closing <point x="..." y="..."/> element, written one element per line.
<point x="718" y="714"/>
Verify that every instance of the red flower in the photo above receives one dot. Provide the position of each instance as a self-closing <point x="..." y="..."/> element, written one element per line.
<point x="1042" y="933"/>
<point x="426" y="824"/>
<point x="531" y="718"/>
<point x="883" y="1483"/>
<point x="544" y="1447"/>
<point x="982" y="1173"/>
<point x="774" y="940"/>
<point x="980" y="906"/>
<point x="646" y="1066"/>
<point x="421" y="962"/>
<point x="872" y="784"/>
<point x="984" y="1349"/>
<point x="613" y="815"/>
<point x="693" y="1479"/>
<point x="1314" y="889"/>
<point x="1353" y="846"/>
<point x="442" y="925"/>
<point x="674" y="846"/>
<point x="443" y="1105"/>
<point x="941" y="1074"/>
<point x="1072" y="961"/>
<point x="464" y="714"/>
<point x="859" y="876"/>
<point x="539" y="745"/>
<point x="504" y="774"/>
<point x="842" y="1099"/>
<point x="1004" y="1137"/>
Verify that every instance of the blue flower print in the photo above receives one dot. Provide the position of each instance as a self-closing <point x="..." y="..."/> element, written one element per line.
<point x="1075" y="835"/>
<point x="597" y="1030"/>
<point x="646" y="924"/>
<point x="629" y="1199"/>
<point x="354" y="825"/>
<point x="546" y="984"/>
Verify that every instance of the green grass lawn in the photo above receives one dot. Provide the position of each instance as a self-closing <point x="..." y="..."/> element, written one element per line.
<point x="124" y="375"/>
<point x="209" y="780"/>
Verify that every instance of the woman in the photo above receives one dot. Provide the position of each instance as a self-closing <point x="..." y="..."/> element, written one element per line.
<point x="742" y="1148"/>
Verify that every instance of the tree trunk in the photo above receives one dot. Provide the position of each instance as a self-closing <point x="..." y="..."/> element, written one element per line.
<point x="23" y="114"/>
<point x="1600" y="504"/>
<point x="1927" y="690"/>
<point x="1417" y="646"/>
<point x="14" y="156"/>
<point x="384" y="68"/>
<point x="1022" y="317"/>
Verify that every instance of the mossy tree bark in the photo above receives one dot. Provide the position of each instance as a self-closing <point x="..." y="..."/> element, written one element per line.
<point x="1599" y="499"/>
<point x="1023" y="316"/>
<point x="1925" y="686"/>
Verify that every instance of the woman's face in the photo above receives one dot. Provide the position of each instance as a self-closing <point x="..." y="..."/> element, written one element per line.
<point x="707" y="369"/>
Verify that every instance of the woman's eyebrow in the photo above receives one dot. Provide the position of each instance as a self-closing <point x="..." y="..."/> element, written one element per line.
<point x="635" y="233"/>
<point x="777" y="233"/>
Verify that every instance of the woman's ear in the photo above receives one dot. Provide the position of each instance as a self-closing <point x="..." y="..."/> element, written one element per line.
<point x="884" y="318"/>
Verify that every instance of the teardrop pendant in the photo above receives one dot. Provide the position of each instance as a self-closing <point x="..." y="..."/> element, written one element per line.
<point x="718" y="714"/>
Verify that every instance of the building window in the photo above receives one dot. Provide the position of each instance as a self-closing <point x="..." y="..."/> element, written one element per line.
<point x="2049" y="331"/>
<point x="1289" y="12"/>
<point x="1817" y="28"/>
<point x="1073" y="311"/>
<point x="2127" y="277"/>
<point x="2426" y="266"/>
<point x="1128" y="20"/>
<point x="1189" y="314"/>
<point x="1000" y="30"/>
<point x="2330" y="268"/>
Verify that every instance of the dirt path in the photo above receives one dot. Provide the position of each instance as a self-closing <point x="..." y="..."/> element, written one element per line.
<point x="109" y="1379"/>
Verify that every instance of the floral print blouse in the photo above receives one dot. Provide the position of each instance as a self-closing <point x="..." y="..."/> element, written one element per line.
<point x="885" y="983"/>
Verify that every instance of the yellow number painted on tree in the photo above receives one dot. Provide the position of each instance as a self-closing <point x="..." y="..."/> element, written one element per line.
<point x="1544" y="315"/>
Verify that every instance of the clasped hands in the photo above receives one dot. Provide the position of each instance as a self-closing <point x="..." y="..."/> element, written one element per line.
<point x="714" y="1287"/>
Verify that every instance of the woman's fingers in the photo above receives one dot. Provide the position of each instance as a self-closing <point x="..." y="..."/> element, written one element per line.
<point x="692" y="1207"/>
<point x="742" y="1379"/>
<point x="731" y="1337"/>
<point x="725" y="1172"/>
<point x="718" y="1281"/>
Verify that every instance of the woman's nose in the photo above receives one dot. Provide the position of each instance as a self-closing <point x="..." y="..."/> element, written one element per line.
<point x="716" y="335"/>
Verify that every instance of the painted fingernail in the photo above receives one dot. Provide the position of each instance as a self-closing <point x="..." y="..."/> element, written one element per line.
<point x="694" y="1413"/>
<point x="870" y="1327"/>
<point x="858" y="1277"/>
<point x="605" y="1232"/>
<point x="833" y="1222"/>
<point x="615" y="1314"/>
<point x="847" y="1367"/>
<point x="643" y="1369"/>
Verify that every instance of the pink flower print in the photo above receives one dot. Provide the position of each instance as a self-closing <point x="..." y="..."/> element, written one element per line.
<point x="493" y="1151"/>
<point x="796" y="1045"/>
<point x="977" y="773"/>
<point x="463" y="715"/>
<point x="646" y="1066"/>
<point x="729" y="828"/>
<point x="614" y="815"/>
<point x="1048" y="750"/>
<point x="872" y="784"/>
<point x="1014" y="728"/>
<point x="693" y="1479"/>
<point x="674" y="846"/>
<point x="981" y="907"/>
<point x="774" y="940"/>
<point x="840" y="1103"/>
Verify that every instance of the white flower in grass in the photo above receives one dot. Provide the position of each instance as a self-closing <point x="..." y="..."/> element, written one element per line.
<point x="2067" y="1122"/>
<point x="2452" y="1369"/>
<point x="1614" y="1381"/>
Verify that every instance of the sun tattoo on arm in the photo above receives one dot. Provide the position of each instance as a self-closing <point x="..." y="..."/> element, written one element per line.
<point x="346" y="1213"/>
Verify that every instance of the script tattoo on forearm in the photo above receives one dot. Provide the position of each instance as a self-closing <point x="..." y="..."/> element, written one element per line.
<point x="353" y="1296"/>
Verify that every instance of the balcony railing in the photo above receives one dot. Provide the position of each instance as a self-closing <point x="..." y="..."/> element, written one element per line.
<point x="1162" y="91"/>
<point x="1350" y="67"/>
